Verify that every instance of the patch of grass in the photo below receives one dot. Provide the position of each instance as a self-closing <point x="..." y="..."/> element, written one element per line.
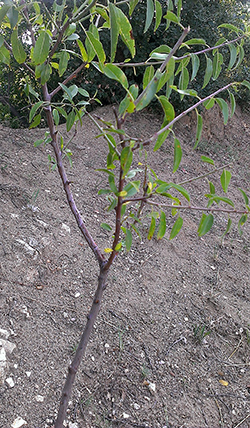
<point x="200" y="332"/>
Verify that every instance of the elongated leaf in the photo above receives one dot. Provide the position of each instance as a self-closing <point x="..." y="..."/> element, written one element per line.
<point x="149" y="92"/>
<point x="34" y="109"/>
<point x="241" y="56"/>
<point x="148" y="76"/>
<point x="167" y="108"/>
<point x="192" y="42"/>
<point x="205" y="224"/>
<point x="36" y="121"/>
<point x="152" y="228"/>
<point x="198" y="129"/>
<point x="125" y="30"/>
<point x="149" y="15"/>
<point x="217" y="65"/>
<point x="242" y="221"/>
<point x="46" y="71"/>
<point x="70" y="120"/>
<point x="56" y="116"/>
<point x="126" y="159"/>
<point x="233" y="55"/>
<point x="63" y="62"/>
<point x="158" y="14"/>
<point x="195" y="65"/>
<point x="233" y="103"/>
<point x="244" y="196"/>
<point x="212" y="188"/>
<point x="4" y="55"/>
<point x="114" y="30"/>
<point x="225" y="179"/>
<point x="41" y="49"/>
<point x="83" y="51"/>
<point x="162" y="226"/>
<point x="17" y="48"/>
<point x="183" y="80"/>
<point x="115" y="73"/>
<point x="230" y="27"/>
<point x="170" y="16"/>
<point x="106" y="226"/>
<point x="169" y="72"/>
<point x="128" y="239"/>
<point x="224" y="108"/>
<point x="132" y="5"/>
<point x="208" y="73"/>
<point x="229" y="224"/>
<point x="246" y="84"/>
<point x="3" y="11"/>
<point x="177" y="154"/>
<point x="176" y="228"/>
<point x="209" y="103"/>
<point x="96" y="47"/>
<point x="162" y="137"/>
<point x="207" y="160"/>
<point x="164" y="187"/>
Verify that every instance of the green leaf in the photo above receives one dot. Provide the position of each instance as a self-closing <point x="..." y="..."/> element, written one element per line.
<point x="233" y="55"/>
<point x="3" y="11"/>
<point x="149" y="15"/>
<point x="63" y="62"/>
<point x="152" y="228"/>
<point x="246" y="84"/>
<point x="209" y="103"/>
<point x="34" y="109"/>
<point x="229" y="224"/>
<point x="162" y="226"/>
<point x="13" y="16"/>
<point x="118" y="246"/>
<point x="205" y="225"/>
<point x="192" y="42"/>
<point x="128" y="239"/>
<point x="125" y="30"/>
<point x="241" y="56"/>
<point x="37" y="143"/>
<point x="176" y="228"/>
<point x="132" y="5"/>
<point x="195" y="65"/>
<point x="198" y="129"/>
<point x="148" y="76"/>
<point x="149" y="92"/>
<point x="164" y="187"/>
<point x="177" y="154"/>
<point x="114" y="30"/>
<point x="46" y="71"/>
<point x="115" y="73"/>
<point x="96" y="48"/>
<point x="241" y="222"/>
<point x="224" y="108"/>
<point x="225" y="179"/>
<point x="158" y="14"/>
<point x="233" y="103"/>
<point x="170" y="16"/>
<point x="4" y="55"/>
<point x="126" y="160"/>
<point x="41" y="49"/>
<point x="168" y="73"/>
<point x="230" y="27"/>
<point x="56" y="116"/>
<point x="244" y="196"/>
<point x="106" y="226"/>
<point x="83" y="51"/>
<point x="167" y="108"/>
<point x="70" y="120"/>
<point x="207" y="160"/>
<point x="208" y="73"/>
<point x="217" y="64"/>
<point x="17" y="48"/>
<point x="36" y="121"/>
<point x="212" y="188"/>
<point x="183" y="80"/>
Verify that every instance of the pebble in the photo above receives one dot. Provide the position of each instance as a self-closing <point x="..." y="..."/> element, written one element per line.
<point x="10" y="382"/>
<point x="39" y="398"/>
<point x="18" y="422"/>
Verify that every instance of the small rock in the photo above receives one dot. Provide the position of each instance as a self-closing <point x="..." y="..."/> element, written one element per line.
<point x="39" y="398"/>
<point x="151" y="386"/>
<point x="4" y="333"/>
<point x="28" y="374"/>
<point x="18" y="422"/>
<point x="66" y="227"/>
<point x="136" y="406"/>
<point x="77" y="294"/>
<point x="125" y="415"/>
<point x="73" y="425"/>
<point x="10" y="382"/>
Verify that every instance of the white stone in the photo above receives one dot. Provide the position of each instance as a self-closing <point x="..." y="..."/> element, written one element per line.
<point x="10" y="382"/>
<point x="125" y="415"/>
<point x="39" y="398"/>
<point x="73" y="425"/>
<point x="151" y="386"/>
<point x="66" y="227"/>
<point x="8" y="346"/>
<point x="4" y="333"/>
<point x="77" y="294"/>
<point x="28" y="374"/>
<point x="18" y="422"/>
<point x="136" y="406"/>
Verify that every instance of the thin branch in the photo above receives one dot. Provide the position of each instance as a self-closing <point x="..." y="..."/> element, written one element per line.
<point x="84" y="12"/>
<point x="184" y="113"/>
<point x="70" y="77"/>
<point x="194" y="208"/>
<point x="104" y="135"/>
<point x="59" y="38"/>
<point x="199" y="177"/>
<point x="66" y="183"/>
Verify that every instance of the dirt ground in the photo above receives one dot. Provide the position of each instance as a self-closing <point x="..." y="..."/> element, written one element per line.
<point x="171" y="347"/>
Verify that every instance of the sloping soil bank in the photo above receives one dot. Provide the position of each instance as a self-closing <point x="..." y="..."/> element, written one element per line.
<point x="171" y="347"/>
